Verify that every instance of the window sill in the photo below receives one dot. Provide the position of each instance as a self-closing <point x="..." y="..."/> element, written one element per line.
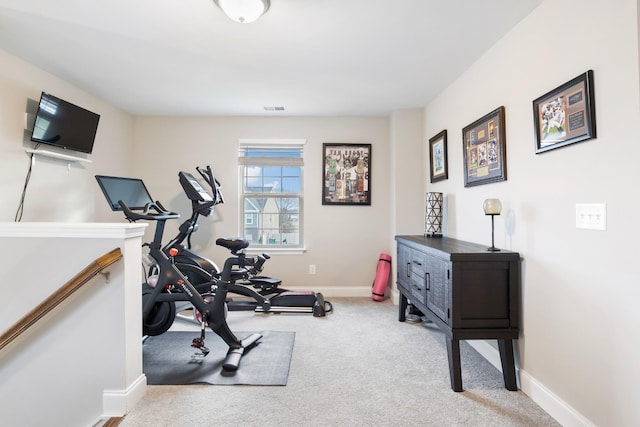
<point x="274" y="250"/>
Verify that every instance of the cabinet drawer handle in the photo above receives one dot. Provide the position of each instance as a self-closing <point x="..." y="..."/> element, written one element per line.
<point x="427" y="281"/>
<point x="408" y="269"/>
<point x="418" y="263"/>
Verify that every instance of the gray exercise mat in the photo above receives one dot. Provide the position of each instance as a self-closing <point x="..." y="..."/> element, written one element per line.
<point x="169" y="359"/>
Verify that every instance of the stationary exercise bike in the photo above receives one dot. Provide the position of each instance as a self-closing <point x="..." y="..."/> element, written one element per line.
<point x="258" y="293"/>
<point x="200" y="269"/>
<point x="170" y="285"/>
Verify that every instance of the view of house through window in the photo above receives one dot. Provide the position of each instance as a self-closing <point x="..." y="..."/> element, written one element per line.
<point x="271" y="193"/>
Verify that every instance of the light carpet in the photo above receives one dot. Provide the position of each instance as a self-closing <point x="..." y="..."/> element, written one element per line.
<point x="358" y="367"/>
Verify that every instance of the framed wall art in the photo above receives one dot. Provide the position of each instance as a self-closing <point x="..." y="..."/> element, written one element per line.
<point x="565" y="115"/>
<point x="347" y="172"/>
<point x="438" y="157"/>
<point x="485" y="150"/>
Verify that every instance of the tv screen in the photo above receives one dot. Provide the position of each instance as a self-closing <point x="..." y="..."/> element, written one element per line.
<point x="131" y="191"/>
<point x="62" y="124"/>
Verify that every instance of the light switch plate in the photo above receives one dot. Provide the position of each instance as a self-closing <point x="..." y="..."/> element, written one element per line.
<point x="591" y="216"/>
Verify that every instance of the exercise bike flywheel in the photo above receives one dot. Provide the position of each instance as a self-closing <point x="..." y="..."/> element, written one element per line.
<point x="161" y="316"/>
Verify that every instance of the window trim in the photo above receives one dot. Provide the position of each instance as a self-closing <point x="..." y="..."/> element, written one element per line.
<point x="271" y="143"/>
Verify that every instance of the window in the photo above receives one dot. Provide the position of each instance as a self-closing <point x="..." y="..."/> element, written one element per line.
<point x="271" y="193"/>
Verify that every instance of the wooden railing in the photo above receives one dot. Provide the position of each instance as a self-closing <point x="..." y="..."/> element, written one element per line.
<point x="60" y="295"/>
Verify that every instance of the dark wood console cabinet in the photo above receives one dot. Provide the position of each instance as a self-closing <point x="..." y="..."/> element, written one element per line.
<point x="468" y="292"/>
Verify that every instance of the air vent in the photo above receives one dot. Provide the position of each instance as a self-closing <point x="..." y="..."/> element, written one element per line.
<point x="269" y="108"/>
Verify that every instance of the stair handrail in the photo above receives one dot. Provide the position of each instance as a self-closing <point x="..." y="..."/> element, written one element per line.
<point x="52" y="301"/>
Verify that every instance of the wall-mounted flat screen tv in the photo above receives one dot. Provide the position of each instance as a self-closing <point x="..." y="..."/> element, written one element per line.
<point x="65" y="125"/>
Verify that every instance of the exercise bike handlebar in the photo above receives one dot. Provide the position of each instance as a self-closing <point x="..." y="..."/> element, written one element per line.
<point x="152" y="212"/>
<point x="259" y="261"/>
<point x="207" y="175"/>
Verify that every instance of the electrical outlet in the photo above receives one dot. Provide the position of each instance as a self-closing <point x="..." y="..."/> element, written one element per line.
<point x="312" y="269"/>
<point x="591" y="216"/>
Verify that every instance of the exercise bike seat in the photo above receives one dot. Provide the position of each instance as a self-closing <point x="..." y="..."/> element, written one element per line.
<point x="234" y="245"/>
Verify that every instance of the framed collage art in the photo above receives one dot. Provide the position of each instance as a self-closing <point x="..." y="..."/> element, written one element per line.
<point x="485" y="150"/>
<point x="346" y="174"/>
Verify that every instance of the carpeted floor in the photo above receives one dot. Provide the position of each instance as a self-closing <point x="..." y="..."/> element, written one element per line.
<point x="169" y="359"/>
<point x="358" y="366"/>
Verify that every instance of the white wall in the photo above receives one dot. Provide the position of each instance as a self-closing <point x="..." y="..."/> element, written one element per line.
<point x="62" y="192"/>
<point x="58" y="190"/>
<point x="344" y="242"/>
<point x="408" y="198"/>
<point x="580" y="290"/>
<point x="407" y="178"/>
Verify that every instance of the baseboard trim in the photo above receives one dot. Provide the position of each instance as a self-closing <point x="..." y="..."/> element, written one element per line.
<point x="541" y="395"/>
<point x="117" y="403"/>
<point x="552" y="404"/>
<point x="337" y="291"/>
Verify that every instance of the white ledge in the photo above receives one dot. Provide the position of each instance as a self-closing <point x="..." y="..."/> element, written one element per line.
<point x="72" y="230"/>
<point x="57" y="155"/>
<point x="278" y="250"/>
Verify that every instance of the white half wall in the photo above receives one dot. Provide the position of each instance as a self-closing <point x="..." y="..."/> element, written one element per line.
<point x="83" y="360"/>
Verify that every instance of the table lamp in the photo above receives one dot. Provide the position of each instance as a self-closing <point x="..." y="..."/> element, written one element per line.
<point x="492" y="207"/>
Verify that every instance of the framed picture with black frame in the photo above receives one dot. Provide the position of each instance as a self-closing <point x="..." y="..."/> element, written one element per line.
<point x="565" y="115"/>
<point x="438" y="157"/>
<point x="346" y="174"/>
<point x="485" y="149"/>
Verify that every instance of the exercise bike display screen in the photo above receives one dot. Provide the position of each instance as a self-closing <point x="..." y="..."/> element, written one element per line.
<point x="193" y="188"/>
<point x="131" y="191"/>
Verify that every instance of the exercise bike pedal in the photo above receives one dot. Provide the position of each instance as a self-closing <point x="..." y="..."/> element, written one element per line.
<point x="199" y="344"/>
<point x="264" y="283"/>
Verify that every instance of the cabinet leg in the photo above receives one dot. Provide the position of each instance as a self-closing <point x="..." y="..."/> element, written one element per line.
<point x="508" y="365"/>
<point x="455" y="370"/>
<point x="402" y="313"/>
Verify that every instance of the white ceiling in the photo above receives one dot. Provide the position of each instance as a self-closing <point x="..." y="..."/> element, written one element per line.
<point x="313" y="57"/>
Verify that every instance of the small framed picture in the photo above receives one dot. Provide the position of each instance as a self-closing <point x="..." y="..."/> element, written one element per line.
<point x="565" y="115"/>
<point x="346" y="174"/>
<point x="438" y="157"/>
<point x="485" y="149"/>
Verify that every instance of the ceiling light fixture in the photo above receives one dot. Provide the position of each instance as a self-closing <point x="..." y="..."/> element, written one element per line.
<point x="244" y="11"/>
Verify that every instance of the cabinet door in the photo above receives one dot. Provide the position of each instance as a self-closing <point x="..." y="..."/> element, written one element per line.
<point x="418" y="266"/>
<point x="411" y="275"/>
<point x="438" y="287"/>
<point x="482" y="293"/>
<point x="403" y="266"/>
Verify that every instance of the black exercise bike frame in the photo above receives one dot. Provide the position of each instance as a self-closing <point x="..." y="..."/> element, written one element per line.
<point x="191" y="263"/>
<point x="213" y="312"/>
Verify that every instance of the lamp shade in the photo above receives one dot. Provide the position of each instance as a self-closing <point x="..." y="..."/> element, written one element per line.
<point x="492" y="207"/>
<point x="244" y="11"/>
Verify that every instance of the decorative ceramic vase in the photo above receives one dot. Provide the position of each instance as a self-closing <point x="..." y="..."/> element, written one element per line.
<point x="433" y="217"/>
